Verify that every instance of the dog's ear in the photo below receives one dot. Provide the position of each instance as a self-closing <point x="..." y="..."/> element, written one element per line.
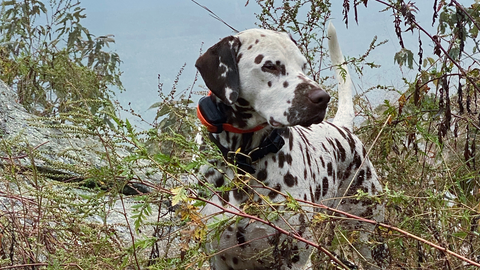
<point x="219" y="69"/>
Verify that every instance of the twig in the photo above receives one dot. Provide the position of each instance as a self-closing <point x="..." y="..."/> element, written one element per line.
<point x="363" y="161"/>
<point x="322" y="249"/>
<point x="130" y="230"/>
<point x="468" y="120"/>
<point x="25" y="155"/>
<point x="445" y="52"/>
<point x="466" y="13"/>
<point x="390" y="227"/>
<point x="37" y="264"/>
<point x="215" y="16"/>
<point x="280" y="230"/>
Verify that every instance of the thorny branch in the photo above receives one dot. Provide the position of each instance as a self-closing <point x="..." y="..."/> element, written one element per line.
<point x="438" y="44"/>
<point x="294" y="235"/>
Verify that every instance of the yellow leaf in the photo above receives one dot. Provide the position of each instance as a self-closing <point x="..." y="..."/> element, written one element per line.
<point x="179" y="195"/>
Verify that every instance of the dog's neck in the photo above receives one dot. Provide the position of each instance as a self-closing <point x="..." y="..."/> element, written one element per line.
<point x="245" y="148"/>
<point x="243" y="118"/>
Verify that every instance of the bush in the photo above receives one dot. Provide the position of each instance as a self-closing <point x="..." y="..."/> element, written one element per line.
<point x="51" y="60"/>
<point x="423" y="146"/>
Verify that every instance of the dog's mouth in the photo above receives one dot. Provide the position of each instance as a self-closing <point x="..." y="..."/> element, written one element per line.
<point x="317" y="119"/>
<point x="275" y="124"/>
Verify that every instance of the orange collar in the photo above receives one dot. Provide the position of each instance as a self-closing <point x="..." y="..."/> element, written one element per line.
<point x="211" y="117"/>
<point x="224" y="126"/>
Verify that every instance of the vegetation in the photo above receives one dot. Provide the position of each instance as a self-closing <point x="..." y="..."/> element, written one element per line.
<point x="51" y="60"/>
<point x="423" y="145"/>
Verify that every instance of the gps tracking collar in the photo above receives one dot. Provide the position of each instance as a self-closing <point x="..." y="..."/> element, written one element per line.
<point x="213" y="117"/>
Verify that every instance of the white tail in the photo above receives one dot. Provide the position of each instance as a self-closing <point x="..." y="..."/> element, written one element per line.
<point x="345" y="113"/>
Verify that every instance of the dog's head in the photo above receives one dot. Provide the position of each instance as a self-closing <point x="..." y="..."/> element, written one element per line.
<point x="264" y="69"/>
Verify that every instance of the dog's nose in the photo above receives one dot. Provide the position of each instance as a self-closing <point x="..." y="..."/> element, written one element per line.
<point x="318" y="96"/>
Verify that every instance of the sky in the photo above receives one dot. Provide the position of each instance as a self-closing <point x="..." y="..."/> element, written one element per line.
<point x="155" y="38"/>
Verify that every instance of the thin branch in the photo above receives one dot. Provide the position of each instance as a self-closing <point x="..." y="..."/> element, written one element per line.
<point x="215" y="16"/>
<point x="38" y="264"/>
<point x="390" y="227"/>
<point x="130" y="231"/>
<point x="368" y="153"/>
<point x="322" y="249"/>
<point x="437" y="42"/>
<point x="280" y="230"/>
<point x="25" y="155"/>
<point x="466" y="13"/>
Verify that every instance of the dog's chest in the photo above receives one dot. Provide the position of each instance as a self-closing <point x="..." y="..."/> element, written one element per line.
<point x="310" y="166"/>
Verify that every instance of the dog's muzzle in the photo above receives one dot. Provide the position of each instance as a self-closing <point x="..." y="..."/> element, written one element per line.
<point x="309" y="105"/>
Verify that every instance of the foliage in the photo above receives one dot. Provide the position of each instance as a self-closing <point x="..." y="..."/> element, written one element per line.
<point x="433" y="189"/>
<point x="423" y="145"/>
<point x="47" y="55"/>
<point x="417" y="141"/>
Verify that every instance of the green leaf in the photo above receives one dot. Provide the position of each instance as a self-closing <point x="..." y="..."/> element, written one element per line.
<point x="218" y="222"/>
<point x="162" y="158"/>
<point x="180" y="195"/>
<point x="404" y="56"/>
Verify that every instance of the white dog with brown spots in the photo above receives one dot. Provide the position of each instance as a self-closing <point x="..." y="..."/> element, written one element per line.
<point x="266" y="117"/>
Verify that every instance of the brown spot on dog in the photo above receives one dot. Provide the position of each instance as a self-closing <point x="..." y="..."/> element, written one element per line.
<point x="273" y="193"/>
<point x="323" y="162"/>
<point x="281" y="67"/>
<point x="242" y="102"/>
<point x="324" y="186"/>
<point x="269" y="84"/>
<point x="289" y="179"/>
<point x="290" y="140"/>
<point x="238" y="57"/>
<point x="288" y="159"/>
<point x="258" y="59"/>
<point x="238" y="194"/>
<point x="281" y="159"/>
<point x="262" y="175"/>
<point x="318" y="192"/>
<point x="225" y="197"/>
<point x="219" y="181"/>
<point x="330" y="169"/>
<point x="209" y="173"/>
<point x="360" y="178"/>
<point x="241" y="236"/>
<point x="285" y="84"/>
<point x="295" y="257"/>
<point x="341" y="150"/>
<point x="249" y="47"/>
<point x="357" y="160"/>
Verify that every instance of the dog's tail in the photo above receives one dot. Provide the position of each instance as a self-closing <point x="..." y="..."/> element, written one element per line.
<point x="345" y="113"/>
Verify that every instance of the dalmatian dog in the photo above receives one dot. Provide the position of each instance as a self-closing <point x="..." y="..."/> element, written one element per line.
<point x="266" y="117"/>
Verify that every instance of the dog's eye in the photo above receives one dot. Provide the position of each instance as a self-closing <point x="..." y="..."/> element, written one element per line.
<point x="269" y="66"/>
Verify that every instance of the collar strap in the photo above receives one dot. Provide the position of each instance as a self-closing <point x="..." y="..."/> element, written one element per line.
<point x="214" y="119"/>
<point x="245" y="160"/>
